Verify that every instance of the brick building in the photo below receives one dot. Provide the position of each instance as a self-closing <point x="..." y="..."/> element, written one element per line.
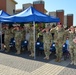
<point x="66" y="20"/>
<point x="60" y="14"/>
<point x="69" y="20"/>
<point x="39" y="5"/>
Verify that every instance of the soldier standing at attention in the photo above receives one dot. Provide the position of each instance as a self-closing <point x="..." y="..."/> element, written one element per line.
<point x="23" y="32"/>
<point x="7" y="37"/>
<point x="47" y="43"/>
<point x="72" y="43"/>
<point x="31" y="42"/>
<point x="17" y="37"/>
<point x="52" y="32"/>
<point x="11" y="35"/>
<point x="59" y="39"/>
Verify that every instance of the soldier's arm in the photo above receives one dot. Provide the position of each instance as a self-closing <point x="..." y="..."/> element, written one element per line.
<point x="74" y="40"/>
<point x="66" y="34"/>
<point x="3" y="30"/>
<point x="13" y="31"/>
<point x="53" y="30"/>
<point x="50" y="39"/>
<point x="55" y="37"/>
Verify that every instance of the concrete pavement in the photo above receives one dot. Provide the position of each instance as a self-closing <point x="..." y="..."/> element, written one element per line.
<point x="14" y="65"/>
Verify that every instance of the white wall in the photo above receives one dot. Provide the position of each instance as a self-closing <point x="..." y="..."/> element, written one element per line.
<point x="65" y="21"/>
<point x="54" y="15"/>
<point x="27" y="5"/>
<point x="10" y="6"/>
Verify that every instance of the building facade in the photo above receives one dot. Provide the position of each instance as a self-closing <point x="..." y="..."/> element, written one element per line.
<point x="65" y="21"/>
<point x="8" y="6"/>
<point x="39" y="5"/>
<point x="3" y="5"/>
<point x="69" y="20"/>
<point x="60" y="14"/>
<point x="25" y="6"/>
<point x="54" y="15"/>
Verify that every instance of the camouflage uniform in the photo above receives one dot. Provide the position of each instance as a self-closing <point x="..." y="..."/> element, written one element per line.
<point x="7" y="37"/>
<point x="59" y="38"/>
<point x="12" y="34"/>
<point x="18" y="39"/>
<point x="52" y="33"/>
<point x="36" y="32"/>
<point x="31" y="43"/>
<point x="40" y="36"/>
<point x="23" y="32"/>
<point x="47" y="43"/>
<point x="72" y="47"/>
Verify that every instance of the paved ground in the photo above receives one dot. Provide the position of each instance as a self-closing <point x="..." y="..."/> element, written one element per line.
<point x="23" y="65"/>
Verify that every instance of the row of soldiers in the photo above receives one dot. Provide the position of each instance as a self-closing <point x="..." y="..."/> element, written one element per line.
<point x="60" y="36"/>
<point x="19" y="34"/>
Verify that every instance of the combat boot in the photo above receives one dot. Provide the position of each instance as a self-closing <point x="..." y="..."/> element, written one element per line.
<point x="72" y="62"/>
<point x="47" y="57"/>
<point x="75" y="63"/>
<point x="2" y="47"/>
<point x="18" y="52"/>
<point x="56" y="60"/>
<point x="59" y="60"/>
<point x="30" y="55"/>
<point x="6" y="51"/>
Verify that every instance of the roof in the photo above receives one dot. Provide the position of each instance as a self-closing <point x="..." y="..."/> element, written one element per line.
<point x="14" y="1"/>
<point x="60" y="10"/>
<point x="28" y="4"/>
<point x="69" y="14"/>
<point x="45" y="11"/>
<point x="18" y="10"/>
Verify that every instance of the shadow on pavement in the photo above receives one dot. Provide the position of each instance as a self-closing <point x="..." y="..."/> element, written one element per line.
<point x="40" y="58"/>
<point x="26" y="56"/>
<point x="71" y="66"/>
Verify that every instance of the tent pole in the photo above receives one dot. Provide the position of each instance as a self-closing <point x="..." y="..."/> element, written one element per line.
<point x="34" y="41"/>
<point x="1" y="36"/>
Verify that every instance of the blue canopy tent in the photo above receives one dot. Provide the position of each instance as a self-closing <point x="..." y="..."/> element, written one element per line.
<point x="3" y="14"/>
<point x="31" y="15"/>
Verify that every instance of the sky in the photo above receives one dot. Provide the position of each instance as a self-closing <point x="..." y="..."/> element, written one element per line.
<point x="52" y="5"/>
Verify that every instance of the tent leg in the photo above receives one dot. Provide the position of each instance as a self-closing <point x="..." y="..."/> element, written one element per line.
<point x="1" y="35"/>
<point x="34" y="41"/>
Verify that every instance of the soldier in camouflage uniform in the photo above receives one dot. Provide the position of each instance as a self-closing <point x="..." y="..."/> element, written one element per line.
<point x="7" y="37"/>
<point x="23" y="32"/>
<point x="18" y="39"/>
<point x="72" y="46"/>
<point x="52" y="33"/>
<point x="40" y="36"/>
<point x="31" y="42"/>
<point x="59" y="39"/>
<point x="47" y="43"/>
<point x="12" y="34"/>
<point x="74" y="52"/>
